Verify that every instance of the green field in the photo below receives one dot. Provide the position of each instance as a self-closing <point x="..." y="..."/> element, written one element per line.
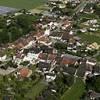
<point x="27" y="4"/>
<point x="36" y="90"/>
<point x="75" y="92"/>
<point x="90" y="38"/>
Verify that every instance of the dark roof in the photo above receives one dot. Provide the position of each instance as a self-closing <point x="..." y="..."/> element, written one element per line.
<point x="39" y="98"/>
<point x="81" y="70"/>
<point x="51" y="57"/>
<point x="66" y="36"/>
<point x="43" y="56"/>
<point x="69" y="70"/>
<point x="56" y="34"/>
<point x="41" y="65"/>
<point x="95" y="95"/>
<point x="46" y="49"/>
<point x="6" y="97"/>
<point x="35" y="49"/>
<point x="58" y="59"/>
<point x="97" y="69"/>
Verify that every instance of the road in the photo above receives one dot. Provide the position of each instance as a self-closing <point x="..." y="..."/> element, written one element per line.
<point x="80" y="7"/>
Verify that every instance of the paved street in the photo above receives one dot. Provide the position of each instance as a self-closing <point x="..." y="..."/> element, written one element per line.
<point x="80" y="7"/>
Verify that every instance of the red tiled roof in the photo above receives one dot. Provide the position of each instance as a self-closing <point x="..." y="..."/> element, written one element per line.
<point x="43" y="56"/>
<point x="38" y="34"/>
<point x="24" y="72"/>
<point x="52" y="56"/>
<point x="67" y="61"/>
<point x="44" y="39"/>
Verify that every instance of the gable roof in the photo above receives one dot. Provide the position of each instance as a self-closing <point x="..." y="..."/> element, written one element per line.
<point x="68" y="59"/>
<point x="43" y="56"/>
<point x="51" y="57"/>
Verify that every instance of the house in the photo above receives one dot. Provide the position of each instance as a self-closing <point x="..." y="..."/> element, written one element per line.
<point x="30" y="44"/>
<point x="66" y="61"/>
<point x="61" y="6"/>
<point x="90" y="62"/>
<point x="94" y="46"/>
<point x="88" y="10"/>
<point x="75" y="1"/>
<point x="3" y="58"/>
<point x="24" y="72"/>
<point x="56" y="35"/>
<point x="66" y="24"/>
<point x="94" y="95"/>
<point x="50" y="77"/>
<point x="46" y="49"/>
<point x="43" y="67"/>
<point x="58" y="59"/>
<point x="47" y="32"/>
<point x="96" y="70"/>
<point x="7" y="97"/>
<point x="43" y="57"/>
<point x="34" y="50"/>
<point x="81" y="70"/>
<point x="69" y="59"/>
<point x="23" y="41"/>
<point x="44" y="40"/>
<point x="30" y="57"/>
<point x="67" y="36"/>
<point x="38" y="35"/>
<point x="51" y="57"/>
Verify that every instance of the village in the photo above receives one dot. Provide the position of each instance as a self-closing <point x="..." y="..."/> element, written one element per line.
<point x="55" y="56"/>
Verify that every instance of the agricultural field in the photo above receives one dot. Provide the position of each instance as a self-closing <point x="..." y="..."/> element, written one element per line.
<point x="20" y="4"/>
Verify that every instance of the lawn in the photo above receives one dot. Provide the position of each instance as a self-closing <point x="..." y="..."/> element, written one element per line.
<point x="29" y="88"/>
<point x="98" y="58"/>
<point x="27" y="4"/>
<point x="36" y="90"/>
<point x="90" y="38"/>
<point x="75" y="91"/>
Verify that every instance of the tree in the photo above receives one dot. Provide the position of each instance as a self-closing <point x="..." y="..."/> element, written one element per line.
<point x="14" y="33"/>
<point x="68" y="79"/>
<point x="97" y="9"/>
<point x="59" y="81"/>
<point x="4" y="36"/>
<point x="2" y="22"/>
<point x="18" y="26"/>
<point x="25" y="21"/>
<point x="97" y="84"/>
<point x="60" y="46"/>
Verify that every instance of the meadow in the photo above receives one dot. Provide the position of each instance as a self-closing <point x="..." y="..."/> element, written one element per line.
<point x="75" y="91"/>
<point x="20" y="4"/>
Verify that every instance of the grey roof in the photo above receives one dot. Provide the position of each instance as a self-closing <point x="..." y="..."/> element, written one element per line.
<point x="5" y="10"/>
<point x="95" y="95"/>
